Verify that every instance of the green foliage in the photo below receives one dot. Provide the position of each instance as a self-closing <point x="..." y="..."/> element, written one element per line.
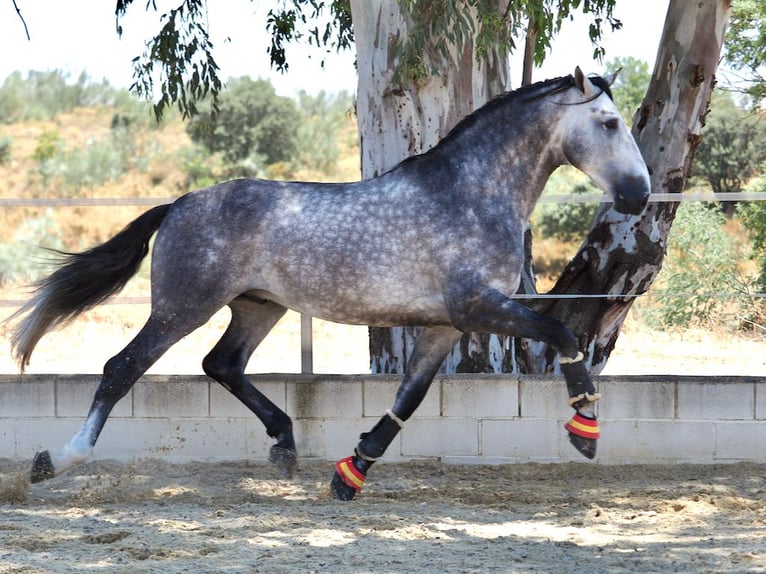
<point x="17" y="256"/>
<point x="296" y="20"/>
<point x="701" y="264"/>
<point x="323" y="116"/>
<point x="48" y="145"/>
<point x="752" y="214"/>
<point x="568" y="221"/>
<point x="630" y="86"/>
<point x="254" y="126"/>
<point x="183" y="52"/>
<point x="745" y="47"/>
<point x="44" y="95"/>
<point x="188" y="72"/>
<point x="733" y="146"/>
<point x="5" y="149"/>
<point x="99" y="161"/>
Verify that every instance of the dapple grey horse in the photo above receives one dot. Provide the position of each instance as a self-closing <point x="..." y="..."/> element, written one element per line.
<point x="435" y="242"/>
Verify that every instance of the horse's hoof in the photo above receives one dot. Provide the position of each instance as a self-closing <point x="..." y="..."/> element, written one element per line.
<point x="42" y="467"/>
<point x="340" y="489"/>
<point x="284" y="459"/>
<point x="586" y="446"/>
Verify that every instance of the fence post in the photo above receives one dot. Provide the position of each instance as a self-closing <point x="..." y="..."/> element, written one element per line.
<point x="307" y="345"/>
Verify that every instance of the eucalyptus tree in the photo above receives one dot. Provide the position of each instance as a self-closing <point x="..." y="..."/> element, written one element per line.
<point x="425" y="64"/>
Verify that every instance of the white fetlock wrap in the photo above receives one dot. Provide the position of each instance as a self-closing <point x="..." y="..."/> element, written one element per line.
<point x="569" y="361"/>
<point x="590" y="398"/>
<point x="395" y="418"/>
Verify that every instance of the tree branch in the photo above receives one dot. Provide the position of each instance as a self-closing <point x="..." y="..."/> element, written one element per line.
<point x="18" y="11"/>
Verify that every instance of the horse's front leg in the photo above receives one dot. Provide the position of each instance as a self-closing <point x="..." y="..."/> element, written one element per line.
<point x="431" y="347"/>
<point x="489" y="311"/>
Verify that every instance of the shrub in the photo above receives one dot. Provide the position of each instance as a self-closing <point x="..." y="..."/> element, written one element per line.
<point x="16" y="255"/>
<point x="5" y="149"/>
<point x="700" y="272"/>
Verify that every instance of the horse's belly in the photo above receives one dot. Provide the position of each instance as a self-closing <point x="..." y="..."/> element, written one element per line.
<point x="369" y="308"/>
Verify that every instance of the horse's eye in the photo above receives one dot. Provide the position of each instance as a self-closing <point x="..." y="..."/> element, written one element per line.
<point x="611" y="124"/>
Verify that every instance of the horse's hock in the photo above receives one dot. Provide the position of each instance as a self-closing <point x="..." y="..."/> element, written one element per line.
<point x="484" y="419"/>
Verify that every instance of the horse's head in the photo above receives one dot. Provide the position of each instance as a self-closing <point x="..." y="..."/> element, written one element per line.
<point x="597" y="142"/>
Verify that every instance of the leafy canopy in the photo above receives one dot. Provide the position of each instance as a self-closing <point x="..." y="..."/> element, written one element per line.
<point x="180" y="57"/>
<point x="746" y="45"/>
<point x="733" y="146"/>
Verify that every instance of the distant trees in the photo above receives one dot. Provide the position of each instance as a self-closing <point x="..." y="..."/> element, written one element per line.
<point x="733" y="148"/>
<point x="43" y="95"/>
<point x="630" y="86"/>
<point x="253" y="127"/>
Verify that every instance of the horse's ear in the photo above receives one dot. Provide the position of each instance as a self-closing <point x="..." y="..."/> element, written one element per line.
<point x="579" y="78"/>
<point x="612" y="77"/>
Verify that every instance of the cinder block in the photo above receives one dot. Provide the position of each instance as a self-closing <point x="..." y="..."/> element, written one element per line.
<point x="326" y="399"/>
<point x="340" y="436"/>
<point x="521" y="439"/>
<point x="709" y="400"/>
<point x="637" y="399"/>
<point x="760" y="399"/>
<point x="27" y="398"/>
<point x="741" y="440"/>
<point x="171" y="399"/>
<point x="310" y="438"/>
<point x="380" y="393"/>
<point x="224" y="404"/>
<point x="126" y="440"/>
<point x="34" y="435"/>
<point x="543" y="397"/>
<point x="74" y="397"/>
<point x="476" y="396"/>
<point x="440" y="437"/>
<point x="7" y="438"/>
<point x="208" y="439"/>
<point x="634" y="441"/>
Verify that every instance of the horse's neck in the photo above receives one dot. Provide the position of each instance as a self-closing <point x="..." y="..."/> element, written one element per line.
<point x="515" y="157"/>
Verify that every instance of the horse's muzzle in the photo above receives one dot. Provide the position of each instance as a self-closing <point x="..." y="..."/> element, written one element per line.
<point x="633" y="195"/>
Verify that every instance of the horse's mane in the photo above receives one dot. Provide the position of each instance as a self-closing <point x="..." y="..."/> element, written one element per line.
<point x="524" y="94"/>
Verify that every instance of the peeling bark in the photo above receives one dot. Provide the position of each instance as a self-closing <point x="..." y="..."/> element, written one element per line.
<point x="396" y="122"/>
<point x="622" y="255"/>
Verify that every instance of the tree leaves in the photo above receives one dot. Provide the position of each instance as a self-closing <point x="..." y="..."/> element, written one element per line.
<point x="179" y="59"/>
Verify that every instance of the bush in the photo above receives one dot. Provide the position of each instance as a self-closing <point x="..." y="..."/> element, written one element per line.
<point x="87" y="167"/>
<point x="5" y="150"/>
<point x="699" y="273"/>
<point x="16" y="255"/>
<point x="254" y="127"/>
<point x="566" y="221"/>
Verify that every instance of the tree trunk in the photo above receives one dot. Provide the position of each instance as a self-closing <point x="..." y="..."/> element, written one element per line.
<point x="622" y="255"/>
<point x="396" y="122"/>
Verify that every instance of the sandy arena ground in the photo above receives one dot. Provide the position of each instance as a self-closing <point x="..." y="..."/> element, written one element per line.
<point x="424" y="517"/>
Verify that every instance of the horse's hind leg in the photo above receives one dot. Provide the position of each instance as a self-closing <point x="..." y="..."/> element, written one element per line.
<point x="251" y="321"/>
<point x="431" y="347"/>
<point x="159" y="333"/>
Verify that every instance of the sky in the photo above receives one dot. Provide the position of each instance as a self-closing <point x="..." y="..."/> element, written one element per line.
<point x="80" y="35"/>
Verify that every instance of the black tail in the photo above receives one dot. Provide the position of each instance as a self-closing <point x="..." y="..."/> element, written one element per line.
<point x="83" y="280"/>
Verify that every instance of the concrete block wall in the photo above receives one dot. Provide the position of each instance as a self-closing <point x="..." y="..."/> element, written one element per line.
<point x="485" y="419"/>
